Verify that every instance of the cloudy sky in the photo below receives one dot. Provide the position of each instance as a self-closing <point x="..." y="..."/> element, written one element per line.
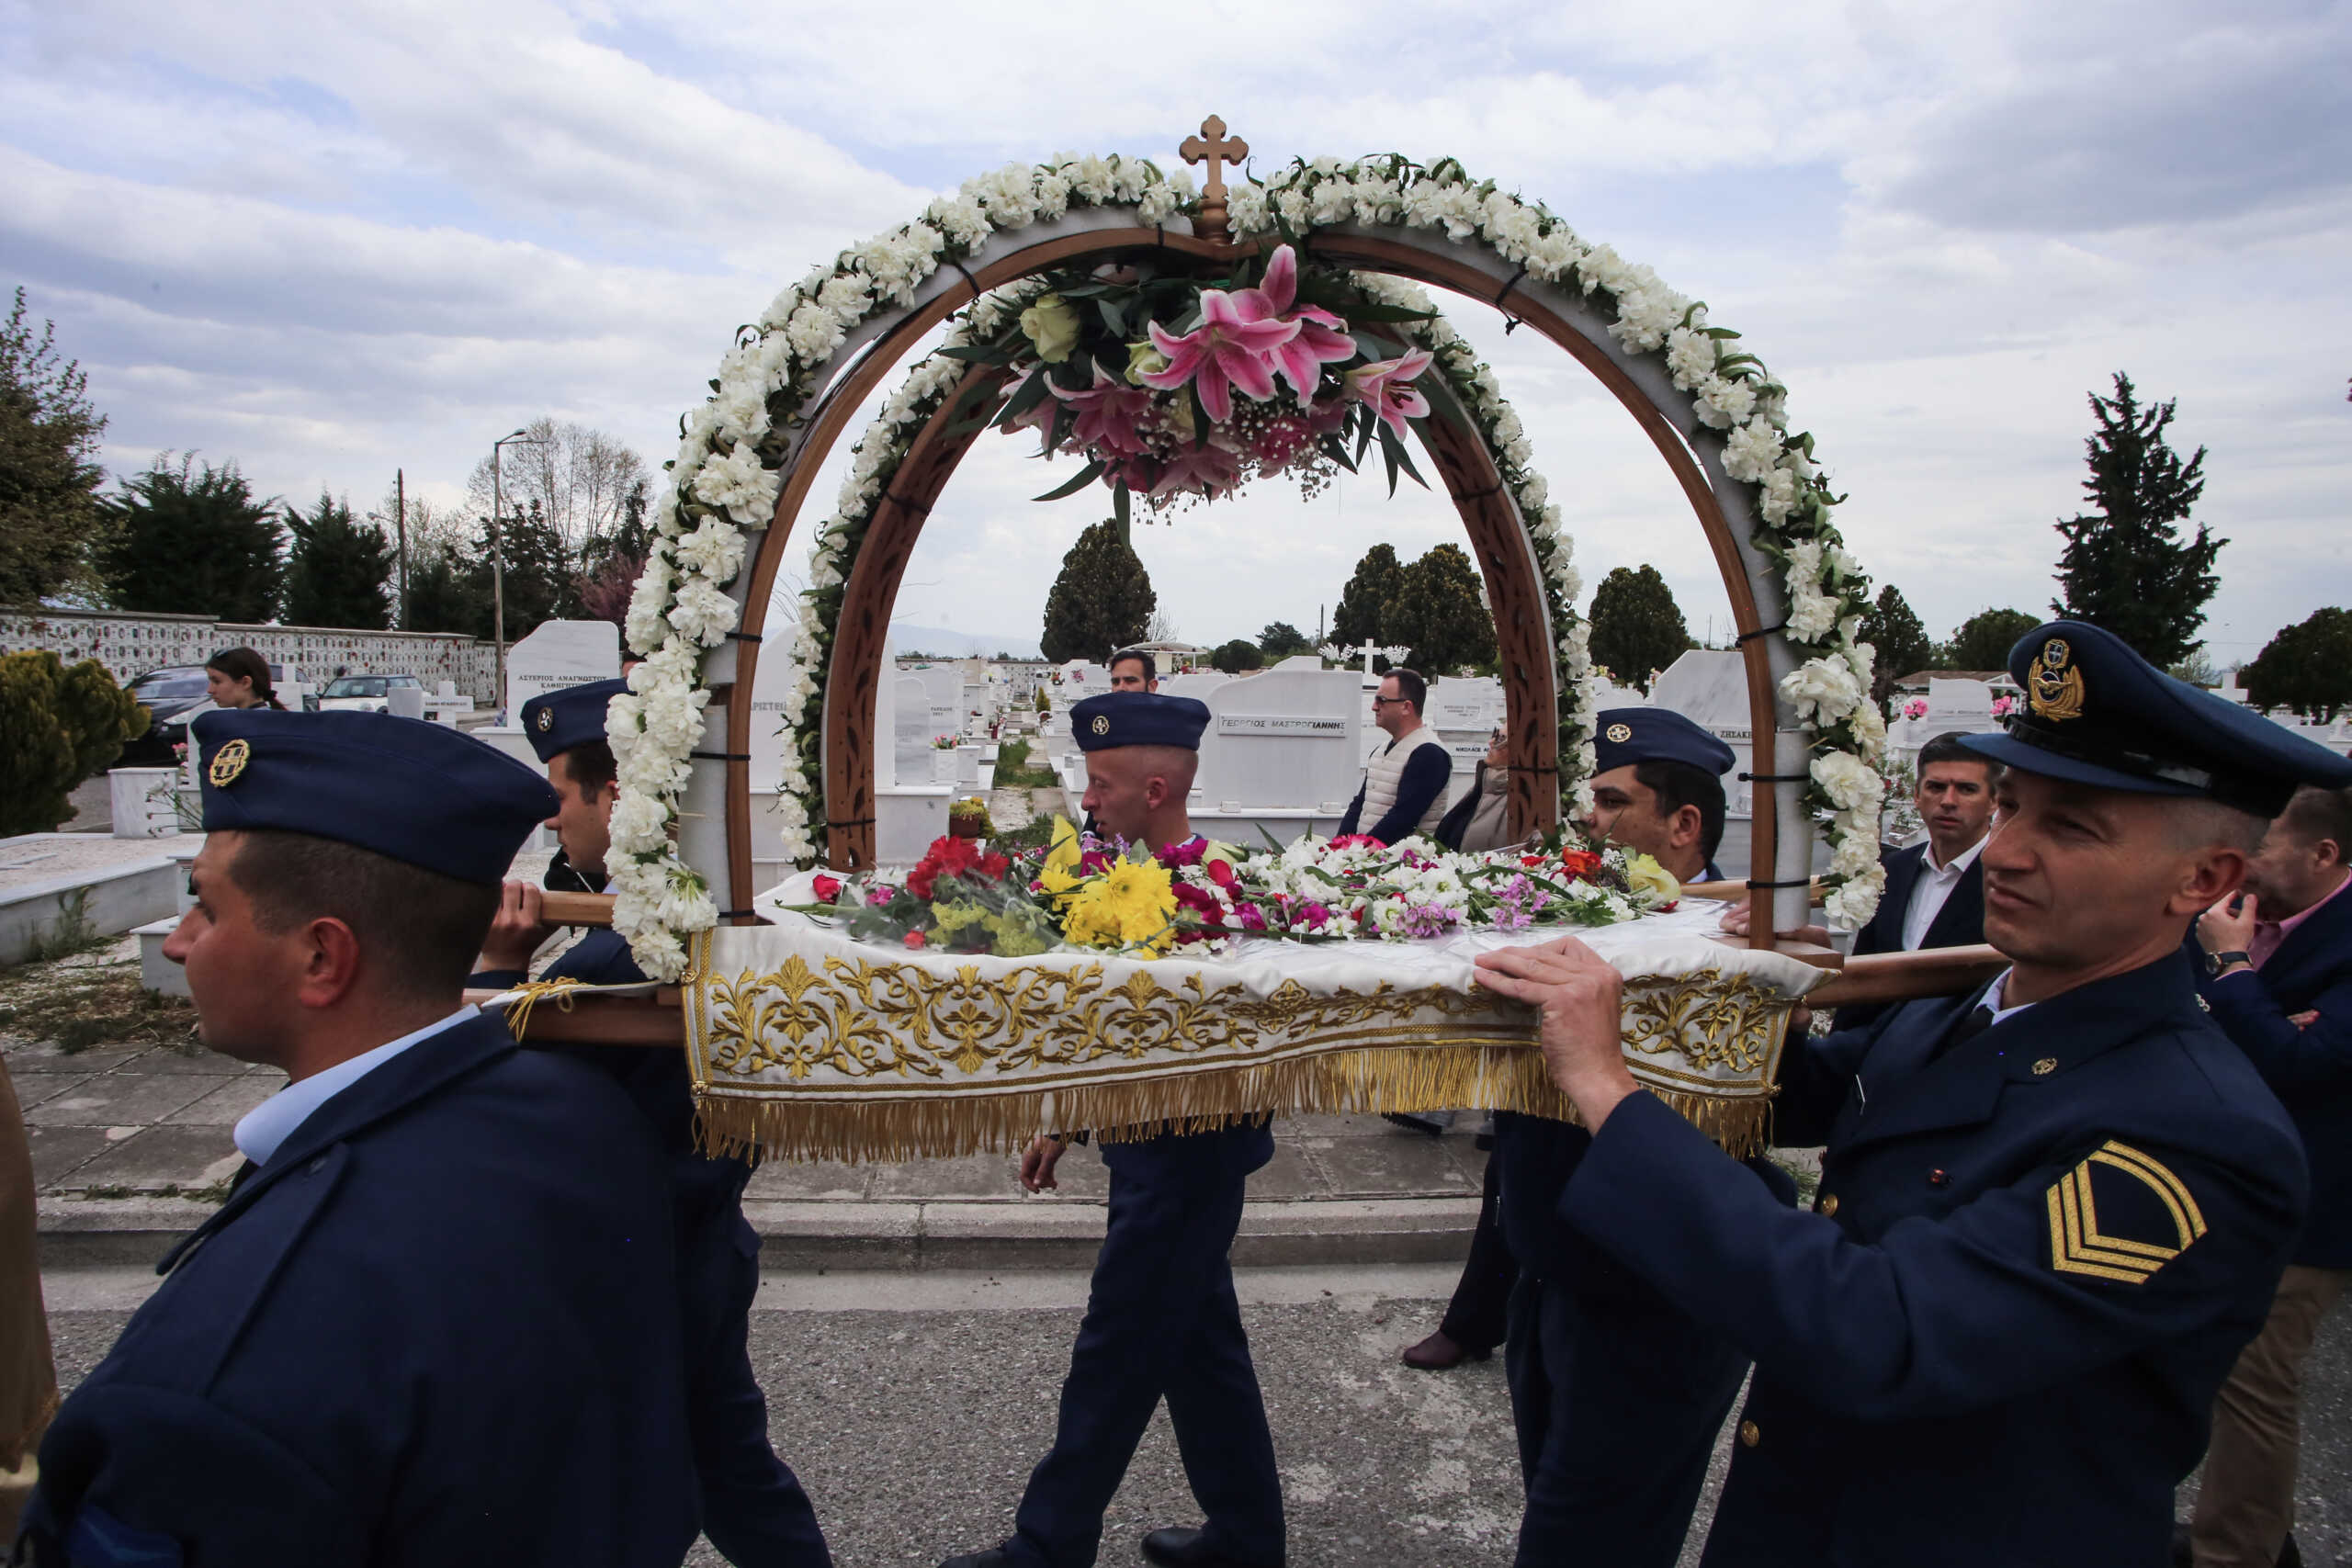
<point x="328" y="241"/>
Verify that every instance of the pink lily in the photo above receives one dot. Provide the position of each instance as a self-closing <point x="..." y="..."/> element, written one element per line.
<point x="1040" y="414"/>
<point x="1229" y="350"/>
<point x="1207" y="468"/>
<point x="1387" y="386"/>
<point x="1322" y="337"/>
<point x="1107" y="415"/>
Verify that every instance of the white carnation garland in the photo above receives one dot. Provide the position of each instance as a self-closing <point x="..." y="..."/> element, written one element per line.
<point x="725" y="481"/>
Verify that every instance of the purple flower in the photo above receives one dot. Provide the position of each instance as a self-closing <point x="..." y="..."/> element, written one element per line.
<point x="1429" y="919"/>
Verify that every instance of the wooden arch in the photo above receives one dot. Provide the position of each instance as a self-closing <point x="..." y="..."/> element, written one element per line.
<point x="717" y="822"/>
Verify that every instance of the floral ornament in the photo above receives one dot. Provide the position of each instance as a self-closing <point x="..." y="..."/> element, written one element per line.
<point x="725" y="476"/>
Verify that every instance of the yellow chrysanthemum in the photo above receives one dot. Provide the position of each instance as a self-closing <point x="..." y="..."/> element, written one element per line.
<point x="1058" y="876"/>
<point x="1132" y="904"/>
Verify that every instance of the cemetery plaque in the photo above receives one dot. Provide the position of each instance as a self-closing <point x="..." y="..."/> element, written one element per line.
<point x="560" y="654"/>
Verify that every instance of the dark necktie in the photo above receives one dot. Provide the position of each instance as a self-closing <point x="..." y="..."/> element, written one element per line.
<point x="1977" y="1020"/>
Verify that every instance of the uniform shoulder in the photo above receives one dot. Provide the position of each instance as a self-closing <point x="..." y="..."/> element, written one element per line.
<point x="2218" y="1096"/>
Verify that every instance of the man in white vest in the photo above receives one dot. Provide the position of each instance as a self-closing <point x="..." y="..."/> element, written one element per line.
<point x="1403" y="782"/>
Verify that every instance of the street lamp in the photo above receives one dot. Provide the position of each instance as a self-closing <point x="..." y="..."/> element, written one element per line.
<point x="498" y="554"/>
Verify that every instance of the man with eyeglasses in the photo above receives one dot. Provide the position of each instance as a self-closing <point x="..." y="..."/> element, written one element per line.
<point x="1403" y="783"/>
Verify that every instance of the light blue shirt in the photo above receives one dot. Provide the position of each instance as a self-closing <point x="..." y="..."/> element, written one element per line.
<point x="1995" y="994"/>
<point x="271" y="1122"/>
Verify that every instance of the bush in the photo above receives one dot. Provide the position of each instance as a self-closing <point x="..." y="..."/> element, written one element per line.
<point x="61" y="726"/>
<point x="1236" y="656"/>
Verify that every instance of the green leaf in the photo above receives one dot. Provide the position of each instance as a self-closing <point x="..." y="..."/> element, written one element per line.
<point x="1119" y="503"/>
<point x="1091" y="472"/>
<point x="1370" y="310"/>
<point x="972" y="354"/>
<point x="1114" y="316"/>
<point x="1031" y="393"/>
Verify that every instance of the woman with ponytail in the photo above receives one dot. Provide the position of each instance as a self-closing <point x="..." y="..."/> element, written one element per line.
<point x="239" y="678"/>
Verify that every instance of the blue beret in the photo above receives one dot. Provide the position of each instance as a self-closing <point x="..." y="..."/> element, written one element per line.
<point x="2096" y="712"/>
<point x="554" y="722"/>
<point x="1138" y="718"/>
<point x="1626" y="736"/>
<point x="409" y="790"/>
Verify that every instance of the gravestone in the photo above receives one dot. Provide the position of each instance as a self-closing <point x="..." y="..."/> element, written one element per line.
<point x="1709" y="686"/>
<point x="1464" y="711"/>
<point x="910" y="730"/>
<point x="1194" y="683"/>
<point x="560" y="654"/>
<point x="1283" y="738"/>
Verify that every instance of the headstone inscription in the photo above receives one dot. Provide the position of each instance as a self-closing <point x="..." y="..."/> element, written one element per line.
<point x="1283" y="738"/>
<point x="558" y="654"/>
<point x="1464" y="711"/>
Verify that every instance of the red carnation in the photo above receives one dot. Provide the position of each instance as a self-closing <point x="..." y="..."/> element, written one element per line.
<point x="827" y="888"/>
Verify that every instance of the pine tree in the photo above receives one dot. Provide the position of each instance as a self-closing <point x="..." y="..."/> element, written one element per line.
<point x="1358" y="619"/>
<point x="1983" y="641"/>
<point x="1103" y="599"/>
<point x="194" y="543"/>
<point x="446" y="592"/>
<point x="540" y="582"/>
<point x="63" y="726"/>
<point x="1440" y="614"/>
<point x="1637" y="628"/>
<point x="339" y="572"/>
<point x="1280" y="639"/>
<point x="2125" y="566"/>
<point x="2307" y="667"/>
<point x="1901" y="642"/>
<point x="51" y="519"/>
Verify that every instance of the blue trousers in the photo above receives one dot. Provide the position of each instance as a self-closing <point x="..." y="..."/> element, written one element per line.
<point x="1617" y="1397"/>
<point x="1162" y="1323"/>
<point x="754" y="1508"/>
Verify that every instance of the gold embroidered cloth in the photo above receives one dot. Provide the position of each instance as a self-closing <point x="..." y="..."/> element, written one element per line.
<point x="804" y="1043"/>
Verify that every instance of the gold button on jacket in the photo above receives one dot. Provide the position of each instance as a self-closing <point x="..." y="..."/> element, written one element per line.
<point x="1750" y="1434"/>
<point x="1828" y="1205"/>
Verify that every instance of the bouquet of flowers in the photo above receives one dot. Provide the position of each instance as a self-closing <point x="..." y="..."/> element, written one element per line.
<point x="1176" y="390"/>
<point x="1105" y="895"/>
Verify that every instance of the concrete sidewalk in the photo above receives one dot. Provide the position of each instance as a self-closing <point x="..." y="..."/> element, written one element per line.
<point x="131" y="1148"/>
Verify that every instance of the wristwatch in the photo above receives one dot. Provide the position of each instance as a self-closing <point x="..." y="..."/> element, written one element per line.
<point x="2217" y="962"/>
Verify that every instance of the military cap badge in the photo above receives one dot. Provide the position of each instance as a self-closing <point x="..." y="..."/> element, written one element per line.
<point x="1102" y="724"/>
<point x="1620" y="733"/>
<point x="2054" y="689"/>
<point x="547" y="718"/>
<point x="228" y="762"/>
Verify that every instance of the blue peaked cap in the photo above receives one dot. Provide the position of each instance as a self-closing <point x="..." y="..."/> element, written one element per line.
<point x="554" y="722"/>
<point x="1624" y="737"/>
<point x="1138" y="718"/>
<point x="2096" y="712"/>
<point x="416" y="792"/>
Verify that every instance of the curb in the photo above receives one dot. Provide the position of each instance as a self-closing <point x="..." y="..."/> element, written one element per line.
<point x="919" y="1236"/>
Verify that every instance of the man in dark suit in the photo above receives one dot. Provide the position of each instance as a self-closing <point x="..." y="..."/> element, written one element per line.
<point x="1935" y="891"/>
<point x="2052" y="1212"/>
<point x="753" y="1507"/>
<point x="1617" y="1393"/>
<point x="1162" y="1319"/>
<point x="2276" y="971"/>
<point x="433" y="1322"/>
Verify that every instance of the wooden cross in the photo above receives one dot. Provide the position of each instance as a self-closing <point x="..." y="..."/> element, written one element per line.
<point x="1213" y="148"/>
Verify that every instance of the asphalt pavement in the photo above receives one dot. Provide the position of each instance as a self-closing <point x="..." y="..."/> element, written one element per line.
<point x="913" y="1405"/>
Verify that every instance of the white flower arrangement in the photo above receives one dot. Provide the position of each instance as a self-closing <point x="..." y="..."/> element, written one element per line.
<point x="725" y="480"/>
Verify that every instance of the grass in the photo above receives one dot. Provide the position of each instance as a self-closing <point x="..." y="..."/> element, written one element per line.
<point x="70" y="935"/>
<point x="89" y="1005"/>
<point x="1012" y="771"/>
<point x="1035" y="835"/>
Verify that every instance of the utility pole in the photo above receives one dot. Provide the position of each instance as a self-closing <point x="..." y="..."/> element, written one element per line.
<point x="498" y="556"/>
<point x="400" y="525"/>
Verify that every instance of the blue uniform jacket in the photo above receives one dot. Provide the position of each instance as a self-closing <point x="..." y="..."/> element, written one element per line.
<point x="2031" y="1264"/>
<point x="656" y="1079"/>
<point x="2309" y="1070"/>
<point x="1959" y="923"/>
<point x="438" y="1327"/>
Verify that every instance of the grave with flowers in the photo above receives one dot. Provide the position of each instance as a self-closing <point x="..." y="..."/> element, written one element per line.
<point x="1177" y="344"/>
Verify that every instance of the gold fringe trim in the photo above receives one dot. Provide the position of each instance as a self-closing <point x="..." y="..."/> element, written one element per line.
<point x="1379" y="1079"/>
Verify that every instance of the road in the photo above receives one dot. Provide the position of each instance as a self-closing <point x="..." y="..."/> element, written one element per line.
<point x="914" y="1405"/>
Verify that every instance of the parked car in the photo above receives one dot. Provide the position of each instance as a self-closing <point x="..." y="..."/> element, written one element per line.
<point x="173" y="695"/>
<point x="363" y="693"/>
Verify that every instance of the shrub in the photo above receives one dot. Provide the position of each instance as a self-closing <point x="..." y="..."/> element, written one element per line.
<point x="60" y="727"/>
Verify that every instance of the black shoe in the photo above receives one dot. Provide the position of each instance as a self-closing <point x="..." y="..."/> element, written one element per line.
<point x="2289" y="1554"/>
<point x="1183" y="1549"/>
<point x="994" y="1557"/>
<point x="1438" y="1353"/>
<point x="2183" y="1556"/>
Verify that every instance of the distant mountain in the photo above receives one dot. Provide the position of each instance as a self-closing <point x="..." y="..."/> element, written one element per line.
<point x="905" y="638"/>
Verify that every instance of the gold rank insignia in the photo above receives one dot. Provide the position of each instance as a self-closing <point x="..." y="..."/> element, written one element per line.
<point x="2053" y="690"/>
<point x="2142" y="1198"/>
<point x="228" y="762"/>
